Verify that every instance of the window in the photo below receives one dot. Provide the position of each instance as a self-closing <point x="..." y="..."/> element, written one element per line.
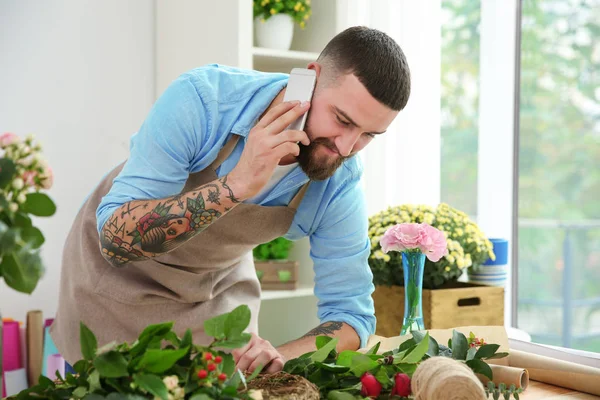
<point x="559" y="173"/>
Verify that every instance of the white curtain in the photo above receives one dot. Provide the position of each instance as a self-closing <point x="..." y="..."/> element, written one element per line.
<point x="403" y="165"/>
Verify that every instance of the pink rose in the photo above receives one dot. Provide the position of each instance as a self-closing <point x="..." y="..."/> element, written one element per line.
<point x="6" y="139"/>
<point x="402" y="237"/>
<point x="434" y="244"/>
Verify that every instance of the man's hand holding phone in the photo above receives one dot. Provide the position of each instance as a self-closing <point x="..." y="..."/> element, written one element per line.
<point x="268" y="142"/>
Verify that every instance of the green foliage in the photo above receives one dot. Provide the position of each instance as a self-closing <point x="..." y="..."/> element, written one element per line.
<point x="467" y="245"/>
<point x="299" y="10"/>
<point x="143" y="369"/>
<point x="22" y="175"/>
<point x="337" y="375"/>
<point x="277" y="249"/>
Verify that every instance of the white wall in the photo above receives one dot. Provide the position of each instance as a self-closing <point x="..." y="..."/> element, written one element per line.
<point x="80" y="76"/>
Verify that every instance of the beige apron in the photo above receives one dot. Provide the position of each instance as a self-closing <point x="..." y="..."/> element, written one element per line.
<point x="208" y="275"/>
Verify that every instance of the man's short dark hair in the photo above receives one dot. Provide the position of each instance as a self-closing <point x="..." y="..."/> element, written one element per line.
<point x="375" y="59"/>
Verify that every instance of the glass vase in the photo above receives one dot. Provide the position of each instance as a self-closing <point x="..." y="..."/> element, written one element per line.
<point x="413" y="264"/>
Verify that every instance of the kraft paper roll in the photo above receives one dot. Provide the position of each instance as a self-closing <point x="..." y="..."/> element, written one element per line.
<point x="55" y="363"/>
<point x="11" y="350"/>
<point x="35" y="346"/>
<point x="557" y="372"/>
<point x="507" y="375"/>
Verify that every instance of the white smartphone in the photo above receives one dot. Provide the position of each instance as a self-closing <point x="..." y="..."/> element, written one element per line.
<point x="301" y="85"/>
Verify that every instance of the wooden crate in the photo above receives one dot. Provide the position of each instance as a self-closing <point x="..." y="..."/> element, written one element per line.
<point x="277" y="275"/>
<point x="456" y="304"/>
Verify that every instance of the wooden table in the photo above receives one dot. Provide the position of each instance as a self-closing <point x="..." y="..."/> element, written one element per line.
<point x="543" y="391"/>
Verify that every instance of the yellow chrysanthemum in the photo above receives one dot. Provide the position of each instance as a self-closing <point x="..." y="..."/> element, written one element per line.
<point x="273" y="11"/>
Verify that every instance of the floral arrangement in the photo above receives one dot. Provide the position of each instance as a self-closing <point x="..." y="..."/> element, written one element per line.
<point x="23" y="175"/>
<point x="299" y="10"/>
<point x="414" y="237"/>
<point x="466" y="243"/>
<point x="147" y="369"/>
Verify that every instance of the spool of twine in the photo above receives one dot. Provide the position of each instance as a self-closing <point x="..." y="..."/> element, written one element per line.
<point x="442" y="378"/>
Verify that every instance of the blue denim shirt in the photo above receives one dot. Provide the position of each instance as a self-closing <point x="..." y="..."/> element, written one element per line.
<point x="183" y="133"/>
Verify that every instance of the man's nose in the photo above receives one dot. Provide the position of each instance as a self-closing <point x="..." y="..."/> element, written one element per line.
<point x="346" y="141"/>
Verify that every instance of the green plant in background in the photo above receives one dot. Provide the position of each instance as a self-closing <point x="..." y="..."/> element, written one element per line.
<point x="23" y="174"/>
<point x="277" y="249"/>
<point x="467" y="245"/>
<point x="299" y="10"/>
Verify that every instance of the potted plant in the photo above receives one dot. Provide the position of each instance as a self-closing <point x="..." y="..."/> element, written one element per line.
<point x="274" y="21"/>
<point x="446" y="302"/>
<point x="23" y="175"/>
<point x="273" y="268"/>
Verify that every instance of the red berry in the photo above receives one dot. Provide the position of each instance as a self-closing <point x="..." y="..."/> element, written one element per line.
<point x="208" y="356"/>
<point x="222" y="377"/>
<point x="218" y="359"/>
<point x="202" y="374"/>
<point x="370" y="385"/>
<point x="401" y="385"/>
<point x="212" y="367"/>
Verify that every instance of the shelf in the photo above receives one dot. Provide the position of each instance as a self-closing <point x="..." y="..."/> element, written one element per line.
<point x="290" y="55"/>
<point x="287" y="294"/>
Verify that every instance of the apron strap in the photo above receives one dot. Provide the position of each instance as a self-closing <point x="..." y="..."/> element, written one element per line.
<point x="225" y="152"/>
<point x="298" y="197"/>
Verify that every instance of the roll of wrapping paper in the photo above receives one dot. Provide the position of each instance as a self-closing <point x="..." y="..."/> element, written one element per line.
<point x="557" y="372"/>
<point x="507" y="375"/>
<point x="11" y="349"/>
<point x="35" y="346"/>
<point x="55" y="363"/>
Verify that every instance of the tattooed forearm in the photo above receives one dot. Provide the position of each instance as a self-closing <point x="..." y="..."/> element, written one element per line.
<point x="328" y="328"/>
<point x="139" y="230"/>
<point x="231" y="196"/>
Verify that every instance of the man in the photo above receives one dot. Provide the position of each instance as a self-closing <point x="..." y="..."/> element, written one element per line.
<point x="168" y="235"/>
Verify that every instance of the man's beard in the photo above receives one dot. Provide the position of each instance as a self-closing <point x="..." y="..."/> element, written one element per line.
<point x="319" y="167"/>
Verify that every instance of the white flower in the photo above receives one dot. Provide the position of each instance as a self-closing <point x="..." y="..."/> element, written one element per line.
<point x="179" y="393"/>
<point x="18" y="183"/>
<point x="171" y="382"/>
<point x="13" y="207"/>
<point x="21" y="198"/>
<point x="255" y="394"/>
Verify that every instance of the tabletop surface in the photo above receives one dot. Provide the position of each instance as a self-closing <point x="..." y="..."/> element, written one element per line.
<point x="539" y="390"/>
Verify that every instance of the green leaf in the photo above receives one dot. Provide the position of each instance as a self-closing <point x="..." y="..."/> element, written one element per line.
<point x="460" y="346"/>
<point x="9" y="237"/>
<point x="201" y="396"/>
<point x="374" y="349"/>
<point x="237" y="321"/>
<point x="417" y="354"/>
<point x="94" y="381"/>
<point x="7" y="171"/>
<point x="158" y="361"/>
<point x="408" y="369"/>
<point x="215" y="327"/>
<point x="38" y="204"/>
<point x="337" y="395"/>
<point x="186" y="341"/>
<point x="497" y="355"/>
<point x="382" y="376"/>
<point x="361" y="364"/>
<point x="111" y="365"/>
<point x="153" y="384"/>
<point x="80" y="392"/>
<point x="321" y="354"/>
<point x="151" y="333"/>
<point x="345" y="358"/>
<point x="255" y="373"/>
<point x="471" y="353"/>
<point x="338" y="369"/>
<point x="228" y="364"/>
<point x="321" y="341"/>
<point x="22" y="270"/>
<point x="481" y="367"/>
<point x="88" y="341"/>
<point x="33" y="236"/>
<point x="487" y="350"/>
<point x="235" y="343"/>
<point x="172" y="337"/>
<point x="434" y="348"/>
<point x="81" y="366"/>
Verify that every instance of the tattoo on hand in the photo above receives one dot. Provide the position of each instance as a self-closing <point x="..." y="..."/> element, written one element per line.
<point x="328" y="328"/>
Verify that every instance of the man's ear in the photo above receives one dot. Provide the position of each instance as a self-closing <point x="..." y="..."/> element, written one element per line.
<point x="316" y="66"/>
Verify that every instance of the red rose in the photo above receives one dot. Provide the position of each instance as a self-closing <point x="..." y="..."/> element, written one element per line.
<point x="401" y="385"/>
<point x="370" y="385"/>
<point x="145" y="222"/>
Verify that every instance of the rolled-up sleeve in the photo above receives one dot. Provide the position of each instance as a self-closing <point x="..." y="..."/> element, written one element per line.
<point x="340" y="249"/>
<point x="162" y="150"/>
